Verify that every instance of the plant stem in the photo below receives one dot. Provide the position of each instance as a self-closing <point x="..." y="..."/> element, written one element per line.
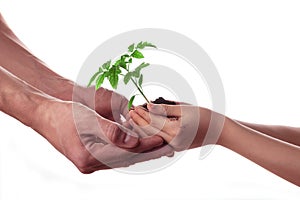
<point x="142" y="93"/>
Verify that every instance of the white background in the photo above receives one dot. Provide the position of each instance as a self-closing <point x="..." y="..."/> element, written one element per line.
<point x="255" y="46"/>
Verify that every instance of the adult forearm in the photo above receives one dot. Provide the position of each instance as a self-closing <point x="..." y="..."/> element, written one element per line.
<point x="274" y="155"/>
<point x="284" y="133"/>
<point x="17" y="59"/>
<point x="19" y="100"/>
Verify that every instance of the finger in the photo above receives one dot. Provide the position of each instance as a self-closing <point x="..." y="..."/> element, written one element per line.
<point x="148" y="143"/>
<point x="138" y="119"/>
<point x="137" y="129"/>
<point x="151" y="131"/>
<point x="110" y="153"/>
<point x="143" y="113"/>
<point x="117" y="134"/>
<point x="156" y="121"/>
<point x="161" y="123"/>
<point x="106" y="154"/>
<point x="127" y="116"/>
<point x="155" y="154"/>
<point x="126" y="124"/>
<point x="142" y="130"/>
<point x="165" y="110"/>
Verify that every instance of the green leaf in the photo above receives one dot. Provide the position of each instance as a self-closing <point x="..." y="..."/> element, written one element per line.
<point x="142" y="45"/>
<point x="113" y="81"/>
<point x="120" y="63"/>
<point x="113" y="76"/>
<point x="137" y="54"/>
<point x="141" y="80"/>
<point x="93" y="78"/>
<point x="117" y="63"/>
<point x="123" y="64"/>
<point x="131" y="47"/>
<point x="131" y="102"/>
<point x="130" y="60"/>
<point x="100" y="80"/>
<point x="124" y="56"/>
<point x="106" y="65"/>
<point x="127" y="77"/>
<point x="137" y="71"/>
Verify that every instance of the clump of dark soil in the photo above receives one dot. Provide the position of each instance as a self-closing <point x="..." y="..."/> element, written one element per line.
<point x="160" y="100"/>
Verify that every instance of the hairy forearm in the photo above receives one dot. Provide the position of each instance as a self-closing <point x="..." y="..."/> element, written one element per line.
<point x="284" y="133"/>
<point x="275" y="155"/>
<point x="17" y="59"/>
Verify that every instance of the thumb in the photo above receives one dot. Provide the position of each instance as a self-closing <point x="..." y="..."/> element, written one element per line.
<point x="165" y="110"/>
<point x="120" y="135"/>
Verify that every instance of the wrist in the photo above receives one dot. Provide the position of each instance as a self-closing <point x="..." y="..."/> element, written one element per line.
<point x="56" y="86"/>
<point x="225" y="134"/>
<point x="86" y="95"/>
<point x="211" y="128"/>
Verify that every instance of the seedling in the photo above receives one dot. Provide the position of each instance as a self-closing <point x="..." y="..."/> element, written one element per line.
<point x="121" y="67"/>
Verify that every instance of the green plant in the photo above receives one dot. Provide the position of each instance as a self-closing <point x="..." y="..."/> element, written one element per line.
<point x="121" y="67"/>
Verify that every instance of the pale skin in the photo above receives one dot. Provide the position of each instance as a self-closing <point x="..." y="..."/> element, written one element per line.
<point x="44" y="101"/>
<point x="276" y="148"/>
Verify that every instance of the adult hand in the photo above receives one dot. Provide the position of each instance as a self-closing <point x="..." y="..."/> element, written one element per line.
<point x="106" y="103"/>
<point x="92" y="142"/>
<point x="16" y="58"/>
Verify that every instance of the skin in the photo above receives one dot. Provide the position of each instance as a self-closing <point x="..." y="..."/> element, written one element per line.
<point x="16" y="58"/>
<point x="284" y="133"/>
<point x="89" y="146"/>
<point x="29" y="86"/>
<point x="275" y="148"/>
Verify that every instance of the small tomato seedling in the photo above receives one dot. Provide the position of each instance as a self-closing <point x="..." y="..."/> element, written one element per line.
<point x="121" y="67"/>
